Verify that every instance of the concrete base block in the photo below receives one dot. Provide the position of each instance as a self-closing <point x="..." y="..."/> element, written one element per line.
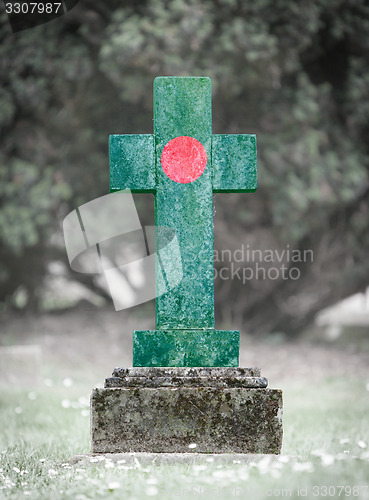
<point x="214" y="416"/>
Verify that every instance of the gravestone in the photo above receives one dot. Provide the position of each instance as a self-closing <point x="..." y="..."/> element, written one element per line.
<point x="185" y="387"/>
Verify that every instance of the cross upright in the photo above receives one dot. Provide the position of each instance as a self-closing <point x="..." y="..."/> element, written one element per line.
<point x="183" y="164"/>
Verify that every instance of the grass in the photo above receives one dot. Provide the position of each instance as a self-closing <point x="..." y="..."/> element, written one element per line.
<point x="325" y="451"/>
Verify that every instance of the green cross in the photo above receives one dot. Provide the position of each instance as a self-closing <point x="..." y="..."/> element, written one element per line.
<point x="201" y="163"/>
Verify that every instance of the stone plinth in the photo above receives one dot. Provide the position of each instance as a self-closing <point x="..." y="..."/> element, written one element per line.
<point x="185" y="348"/>
<point x="164" y="410"/>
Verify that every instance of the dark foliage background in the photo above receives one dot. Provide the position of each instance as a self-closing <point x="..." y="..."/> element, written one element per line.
<point x="294" y="73"/>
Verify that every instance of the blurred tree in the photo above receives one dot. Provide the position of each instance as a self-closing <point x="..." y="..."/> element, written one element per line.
<point x="297" y="74"/>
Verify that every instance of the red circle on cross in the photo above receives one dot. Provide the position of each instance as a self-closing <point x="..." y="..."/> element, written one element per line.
<point x="183" y="159"/>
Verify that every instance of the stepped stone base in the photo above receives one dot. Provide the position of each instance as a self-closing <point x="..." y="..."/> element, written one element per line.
<point x="169" y="410"/>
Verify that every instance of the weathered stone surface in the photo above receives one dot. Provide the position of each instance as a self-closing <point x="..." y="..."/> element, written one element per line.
<point x="197" y="371"/>
<point x="234" y="163"/>
<point x="136" y="153"/>
<point x="159" y="411"/>
<point x="188" y="377"/>
<point x="217" y="420"/>
<point x="254" y="382"/>
<point x="182" y="108"/>
<point x="186" y="348"/>
<point x="182" y="112"/>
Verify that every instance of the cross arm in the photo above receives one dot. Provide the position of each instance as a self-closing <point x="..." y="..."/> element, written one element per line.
<point x="132" y="163"/>
<point x="234" y="163"/>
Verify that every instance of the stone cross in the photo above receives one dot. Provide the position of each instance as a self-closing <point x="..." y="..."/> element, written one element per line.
<point x="183" y="164"/>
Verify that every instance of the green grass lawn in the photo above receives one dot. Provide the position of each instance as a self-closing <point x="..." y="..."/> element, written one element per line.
<point x="325" y="451"/>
